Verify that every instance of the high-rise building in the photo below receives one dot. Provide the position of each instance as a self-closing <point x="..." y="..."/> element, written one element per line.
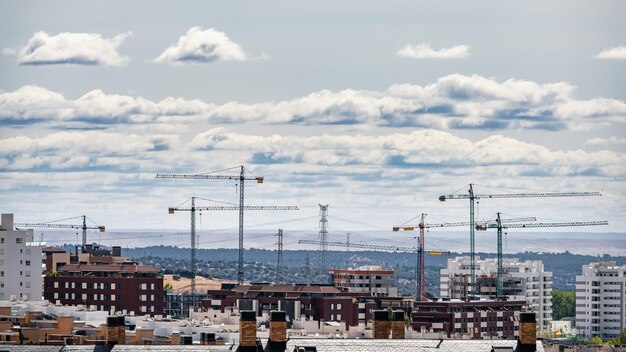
<point x="521" y="281"/>
<point x="20" y="262"/>
<point x="600" y="300"/>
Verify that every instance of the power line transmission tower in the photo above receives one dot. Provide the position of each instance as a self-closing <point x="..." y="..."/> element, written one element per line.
<point x="323" y="237"/>
<point x="472" y="197"/>
<point x="193" y="210"/>
<point x="280" y="269"/>
<point x="241" y="177"/>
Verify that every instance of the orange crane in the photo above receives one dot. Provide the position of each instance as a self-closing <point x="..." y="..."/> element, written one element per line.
<point x="420" y="268"/>
<point x="472" y="197"/>
<point x="226" y="206"/>
<point x="498" y="224"/>
<point x="54" y="224"/>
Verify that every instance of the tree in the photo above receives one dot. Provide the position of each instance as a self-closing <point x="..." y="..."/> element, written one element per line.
<point x="621" y="340"/>
<point x="168" y="286"/>
<point x="563" y="304"/>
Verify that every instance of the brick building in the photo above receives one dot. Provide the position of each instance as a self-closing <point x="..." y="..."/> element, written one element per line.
<point x="103" y="280"/>
<point x="314" y="302"/>
<point x="478" y="319"/>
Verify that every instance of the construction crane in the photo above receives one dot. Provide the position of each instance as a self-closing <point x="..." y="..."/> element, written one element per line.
<point x="498" y="224"/>
<point x="472" y="197"/>
<point x="419" y="266"/>
<point x="54" y="224"/>
<point x="226" y="207"/>
<point x="242" y="178"/>
<point x="373" y="246"/>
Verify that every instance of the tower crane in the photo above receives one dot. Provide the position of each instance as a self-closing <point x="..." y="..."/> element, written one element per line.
<point x="472" y="197"/>
<point x="54" y="224"/>
<point x="498" y="224"/>
<point x="193" y="210"/>
<point x="419" y="266"/>
<point x="242" y="178"/>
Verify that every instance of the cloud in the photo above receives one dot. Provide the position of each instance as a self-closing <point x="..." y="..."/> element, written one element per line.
<point x="616" y="53"/>
<point x="606" y="141"/>
<point x="202" y="46"/>
<point x="424" y="51"/>
<point x="452" y="102"/>
<point x="73" y="48"/>
<point x="423" y="149"/>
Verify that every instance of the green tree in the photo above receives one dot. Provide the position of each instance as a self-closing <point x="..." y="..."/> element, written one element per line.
<point x="563" y="304"/>
<point x="596" y="340"/>
<point x="168" y="286"/>
<point x="621" y="340"/>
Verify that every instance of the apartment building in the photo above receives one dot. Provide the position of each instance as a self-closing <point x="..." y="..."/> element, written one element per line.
<point x="600" y="302"/>
<point x="20" y="262"/>
<point x="522" y="281"/>
<point x="372" y="280"/>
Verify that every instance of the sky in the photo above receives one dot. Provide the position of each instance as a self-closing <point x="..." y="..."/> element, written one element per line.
<point x="376" y="108"/>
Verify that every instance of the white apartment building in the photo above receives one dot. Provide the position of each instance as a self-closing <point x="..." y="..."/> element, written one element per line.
<point x="21" y="265"/>
<point x="370" y="279"/>
<point x="522" y="281"/>
<point x="600" y="303"/>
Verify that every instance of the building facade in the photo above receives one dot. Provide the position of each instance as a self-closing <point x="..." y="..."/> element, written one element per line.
<point x="600" y="302"/>
<point x="476" y="319"/>
<point x="20" y="262"/>
<point x="522" y="281"/>
<point x="371" y="280"/>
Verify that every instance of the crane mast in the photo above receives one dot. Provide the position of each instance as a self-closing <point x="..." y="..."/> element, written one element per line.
<point x="498" y="224"/>
<point x="472" y="198"/>
<point x="193" y="210"/>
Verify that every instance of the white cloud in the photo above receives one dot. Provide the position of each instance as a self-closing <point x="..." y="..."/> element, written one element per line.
<point x="452" y="102"/>
<point x="605" y="141"/>
<point x="424" y="51"/>
<point x="73" y="48"/>
<point x="200" y="46"/>
<point x="616" y="53"/>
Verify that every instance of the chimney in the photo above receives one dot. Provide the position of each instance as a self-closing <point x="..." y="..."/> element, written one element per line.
<point x="7" y="222"/>
<point x="527" y="333"/>
<point x="397" y="324"/>
<point x="116" y="330"/>
<point x="117" y="251"/>
<point x="247" y="331"/>
<point x="381" y="324"/>
<point x="278" y="332"/>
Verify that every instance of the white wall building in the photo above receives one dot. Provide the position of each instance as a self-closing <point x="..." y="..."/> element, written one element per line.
<point x="21" y="265"/>
<point x="522" y="281"/>
<point x="600" y="302"/>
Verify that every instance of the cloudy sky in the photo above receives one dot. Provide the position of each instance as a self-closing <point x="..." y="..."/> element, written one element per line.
<point x="375" y="108"/>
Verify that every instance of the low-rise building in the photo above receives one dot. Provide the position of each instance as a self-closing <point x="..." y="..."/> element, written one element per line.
<point x="371" y="280"/>
<point x="473" y="319"/>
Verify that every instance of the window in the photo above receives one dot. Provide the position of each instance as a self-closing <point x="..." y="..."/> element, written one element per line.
<point x="338" y="306"/>
<point x="144" y="286"/>
<point x="27" y="251"/>
<point x="142" y="309"/>
<point x="1" y="284"/>
<point x="27" y="284"/>
<point x="113" y="286"/>
<point x="27" y="273"/>
<point x="18" y="240"/>
<point x="143" y="297"/>
<point x="338" y="316"/>
<point x="152" y="286"/>
<point x="28" y="263"/>
<point x="84" y="296"/>
<point x="1" y="239"/>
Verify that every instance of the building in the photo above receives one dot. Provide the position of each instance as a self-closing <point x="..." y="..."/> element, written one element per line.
<point x="522" y="281"/>
<point x="102" y="279"/>
<point x="600" y="300"/>
<point x="20" y="262"/>
<point x="473" y="319"/>
<point x="372" y="280"/>
<point x="319" y="303"/>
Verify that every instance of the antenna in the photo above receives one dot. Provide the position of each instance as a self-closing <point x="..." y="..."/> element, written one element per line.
<point x="323" y="236"/>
